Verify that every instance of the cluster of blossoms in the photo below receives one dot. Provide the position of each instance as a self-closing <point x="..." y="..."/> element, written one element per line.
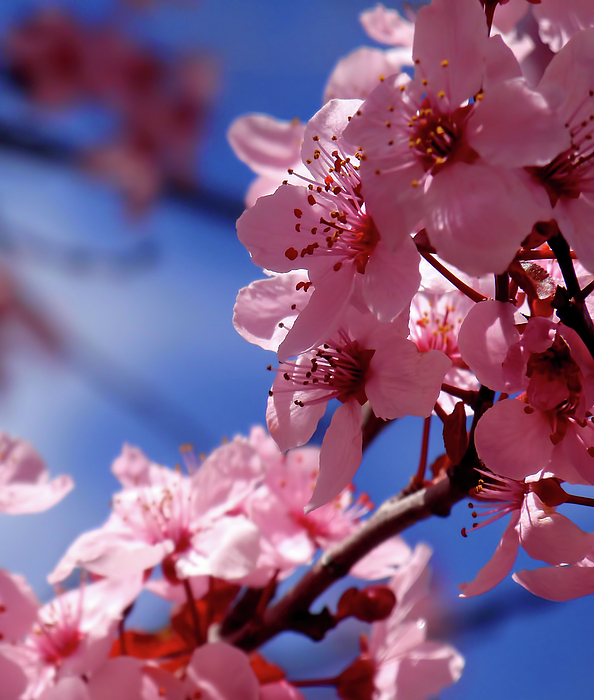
<point x="427" y="241"/>
<point x="221" y="537"/>
<point x="161" y="107"/>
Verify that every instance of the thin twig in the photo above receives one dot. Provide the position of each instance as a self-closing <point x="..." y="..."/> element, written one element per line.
<point x="449" y="275"/>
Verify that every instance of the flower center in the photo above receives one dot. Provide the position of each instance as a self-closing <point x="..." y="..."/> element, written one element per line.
<point x="336" y="371"/>
<point x="438" y="138"/>
<point x="349" y="233"/>
<point x="571" y="172"/>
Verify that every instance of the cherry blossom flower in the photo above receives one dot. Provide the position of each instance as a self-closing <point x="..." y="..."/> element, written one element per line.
<point x="558" y="20"/>
<point x="543" y="533"/>
<point x="324" y="228"/>
<point x="24" y="480"/>
<point x="399" y="661"/>
<point x="435" y="321"/>
<point x="364" y="360"/>
<point x="440" y="149"/>
<point x="569" y="176"/>
<point x="70" y="636"/>
<point x="289" y="536"/>
<point x="548" y="428"/>
<point x="559" y="583"/>
<point x="186" y="522"/>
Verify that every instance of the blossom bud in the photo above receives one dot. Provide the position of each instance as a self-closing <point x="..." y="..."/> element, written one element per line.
<point x="356" y="681"/>
<point x="370" y="604"/>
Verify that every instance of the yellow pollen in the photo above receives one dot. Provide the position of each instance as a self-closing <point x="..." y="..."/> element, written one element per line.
<point x="402" y="87"/>
<point x="439" y="161"/>
<point x="425" y="81"/>
<point x="415" y="183"/>
<point x="441" y="93"/>
<point x="445" y="63"/>
<point x="439" y="130"/>
<point x="382" y="78"/>
<point x="479" y="96"/>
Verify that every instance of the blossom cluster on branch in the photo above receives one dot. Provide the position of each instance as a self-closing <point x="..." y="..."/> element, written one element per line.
<point x="430" y="244"/>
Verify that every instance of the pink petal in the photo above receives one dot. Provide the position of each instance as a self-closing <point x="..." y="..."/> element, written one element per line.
<point x="500" y="62"/>
<point x="382" y="560"/>
<point x="278" y="228"/>
<point x="292" y="425"/>
<point x="262" y="305"/>
<point x="559" y="20"/>
<point x="320" y="318"/>
<point x="359" y="73"/>
<point x="550" y="536"/>
<point x="14" y="680"/>
<point x="485" y="337"/>
<point x="221" y="672"/>
<point x="28" y="498"/>
<point x="117" y="679"/>
<point x="404" y="381"/>
<point x="558" y="583"/>
<point x="132" y="467"/>
<point x="477" y="216"/>
<point x="500" y="564"/>
<point x="226" y="477"/>
<point x="67" y="689"/>
<point x="391" y="279"/>
<point x="574" y="217"/>
<point x="229" y="549"/>
<point x="512" y="442"/>
<point x="454" y="31"/>
<point x="19" y="607"/>
<point x="513" y="126"/>
<point x="340" y="455"/>
<point x="426" y="669"/>
<point x="267" y="145"/>
<point x="386" y="26"/>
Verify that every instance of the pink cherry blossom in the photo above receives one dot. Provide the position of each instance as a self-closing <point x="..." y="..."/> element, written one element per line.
<point x="560" y="583"/>
<point x="405" y="663"/>
<point x="184" y="521"/>
<point x="293" y="537"/>
<point x="365" y="360"/>
<point x="432" y="156"/>
<point x="70" y="636"/>
<point x="568" y="178"/>
<point x="24" y="481"/>
<point x="347" y="261"/>
<point x="547" y="429"/>
<point x="543" y="533"/>
<point x="435" y="321"/>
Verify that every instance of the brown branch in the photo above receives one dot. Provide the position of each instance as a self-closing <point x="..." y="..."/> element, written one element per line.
<point x="394" y="516"/>
<point x="449" y="275"/>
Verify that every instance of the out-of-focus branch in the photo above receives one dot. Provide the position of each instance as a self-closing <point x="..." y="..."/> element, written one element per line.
<point x="201" y="198"/>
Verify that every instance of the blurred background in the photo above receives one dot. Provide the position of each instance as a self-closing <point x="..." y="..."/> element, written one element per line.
<point x="119" y="267"/>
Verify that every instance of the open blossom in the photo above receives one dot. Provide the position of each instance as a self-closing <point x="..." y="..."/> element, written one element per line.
<point x="365" y="360"/>
<point x="25" y="486"/>
<point x="548" y="428"/>
<point x="399" y="661"/>
<point x="71" y="636"/>
<point x="568" y="178"/>
<point x="446" y="148"/>
<point x="435" y="321"/>
<point x="323" y="226"/>
<point x="291" y="537"/>
<point x="534" y="524"/>
<point x="185" y="522"/>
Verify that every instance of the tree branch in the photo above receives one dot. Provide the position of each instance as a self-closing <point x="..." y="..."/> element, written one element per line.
<point x="392" y="517"/>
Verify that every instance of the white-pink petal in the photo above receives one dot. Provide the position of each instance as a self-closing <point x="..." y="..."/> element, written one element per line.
<point x="500" y="564"/>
